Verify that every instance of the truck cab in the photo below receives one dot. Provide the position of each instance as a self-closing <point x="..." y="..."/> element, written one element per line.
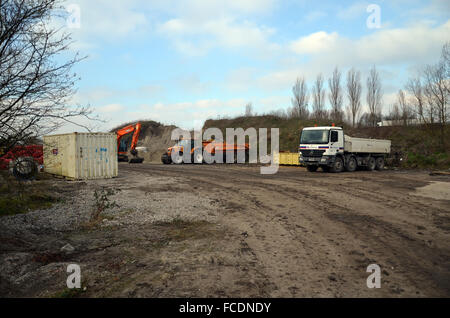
<point x="319" y="146"/>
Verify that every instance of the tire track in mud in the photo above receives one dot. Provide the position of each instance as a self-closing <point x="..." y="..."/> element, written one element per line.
<point x="308" y="254"/>
<point x="358" y="235"/>
<point x="422" y="251"/>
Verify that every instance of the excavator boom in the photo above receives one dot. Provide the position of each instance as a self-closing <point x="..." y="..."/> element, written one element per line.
<point x="122" y="155"/>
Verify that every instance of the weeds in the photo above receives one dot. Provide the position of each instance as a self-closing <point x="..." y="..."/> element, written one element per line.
<point x="102" y="203"/>
<point x="18" y="197"/>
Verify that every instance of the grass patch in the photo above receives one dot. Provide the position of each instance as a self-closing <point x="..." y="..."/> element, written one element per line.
<point x="25" y="202"/>
<point x="435" y="160"/>
<point x="18" y="197"/>
<point x="69" y="293"/>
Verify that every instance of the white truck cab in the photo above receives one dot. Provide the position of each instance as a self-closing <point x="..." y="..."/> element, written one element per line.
<point x="331" y="149"/>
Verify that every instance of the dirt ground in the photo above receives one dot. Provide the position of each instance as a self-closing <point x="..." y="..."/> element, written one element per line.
<point x="228" y="231"/>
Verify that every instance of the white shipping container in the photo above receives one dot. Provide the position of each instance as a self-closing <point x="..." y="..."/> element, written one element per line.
<point x="81" y="155"/>
<point x="363" y="145"/>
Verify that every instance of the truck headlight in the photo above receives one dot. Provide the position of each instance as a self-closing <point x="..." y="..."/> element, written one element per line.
<point x="324" y="159"/>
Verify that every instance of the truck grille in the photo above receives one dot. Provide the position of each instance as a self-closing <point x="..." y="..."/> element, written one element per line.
<point x="312" y="153"/>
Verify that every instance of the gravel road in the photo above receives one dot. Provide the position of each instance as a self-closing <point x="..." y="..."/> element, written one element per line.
<point x="228" y="231"/>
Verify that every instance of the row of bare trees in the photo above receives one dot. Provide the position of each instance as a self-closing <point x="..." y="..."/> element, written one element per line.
<point x="429" y="91"/>
<point x="426" y="96"/>
<point x="352" y="89"/>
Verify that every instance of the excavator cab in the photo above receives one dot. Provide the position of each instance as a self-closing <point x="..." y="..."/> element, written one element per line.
<point x="122" y="144"/>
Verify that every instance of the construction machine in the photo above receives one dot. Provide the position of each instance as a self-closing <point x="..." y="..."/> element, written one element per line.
<point x="211" y="147"/>
<point x="122" y="146"/>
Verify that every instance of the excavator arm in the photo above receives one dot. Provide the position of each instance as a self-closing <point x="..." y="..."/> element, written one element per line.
<point x="136" y="129"/>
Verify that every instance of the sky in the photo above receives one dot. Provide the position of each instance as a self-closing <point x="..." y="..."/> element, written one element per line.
<point x="182" y="62"/>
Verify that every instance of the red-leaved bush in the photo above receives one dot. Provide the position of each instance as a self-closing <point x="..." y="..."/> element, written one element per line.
<point x="35" y="151"/>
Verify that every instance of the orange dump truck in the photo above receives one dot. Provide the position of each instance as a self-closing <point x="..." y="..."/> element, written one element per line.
<point x="211" y="147"/>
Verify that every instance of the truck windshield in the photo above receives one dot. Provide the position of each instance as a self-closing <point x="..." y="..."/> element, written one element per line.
<point x="314" y="137"/>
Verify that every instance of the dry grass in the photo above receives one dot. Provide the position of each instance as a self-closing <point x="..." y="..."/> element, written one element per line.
<point x="21" y="197"/>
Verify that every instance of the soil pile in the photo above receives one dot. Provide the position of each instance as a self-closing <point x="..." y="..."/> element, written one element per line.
<point x="155" y="136"/>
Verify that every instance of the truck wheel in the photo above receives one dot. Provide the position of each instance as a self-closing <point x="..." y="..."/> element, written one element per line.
<point x="197" y="158"/>
<point x="165" y="158"/>
<point x="379" y="163"/>
<point x="351" y="164"/>
<point x="179" y="159"/>
<point x="338" y="165"/>
<point x="371" y="164"/>
<point x="312" y="168"/>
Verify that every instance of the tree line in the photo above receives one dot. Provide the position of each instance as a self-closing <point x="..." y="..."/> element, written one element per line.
<point x="344" y="98"/>
<point x="424" y="99"/>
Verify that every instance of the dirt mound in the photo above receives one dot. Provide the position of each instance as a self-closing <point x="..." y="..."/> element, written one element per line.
<point x="155" y="136"/>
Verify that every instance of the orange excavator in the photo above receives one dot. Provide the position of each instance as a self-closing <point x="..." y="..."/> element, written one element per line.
<point x="122" y="146"/>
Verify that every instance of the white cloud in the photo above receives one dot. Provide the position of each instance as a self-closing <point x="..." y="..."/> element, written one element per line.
<point x="314" y="43"/>
<point x="220" y="23"/>
<point x="103" y="94"/>
<point x="388" y="49"/>
<point x="386" y="46"/>
<point x="197" y="26"/>
<point x="183" y="114"/>
<point x="205" y="9"/>
<point x="194" y="37"/>
<point x="109" y="19"/>
<point x="403" y="44"/>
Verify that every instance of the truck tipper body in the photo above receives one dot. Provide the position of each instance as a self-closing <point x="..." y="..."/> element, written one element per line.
<point x="332" y="150"/>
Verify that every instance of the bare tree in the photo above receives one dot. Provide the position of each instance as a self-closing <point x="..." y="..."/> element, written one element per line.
<point x="417" y="100"/>
<point x="301" y="98"/>
<point x="404" y="107"/>
<point x="354" y="93"/>
<point x="430" y="92"/>
<point x="249" y="110"/>
<point x="318" y="93"/>
<point x="437" y="94"/>
<point x="394" y="114"/>
<point x="374" y="96"/>
<point x="446" y="61"/>
<point x="36" y="84"/>
<point x="335" y="95"/>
